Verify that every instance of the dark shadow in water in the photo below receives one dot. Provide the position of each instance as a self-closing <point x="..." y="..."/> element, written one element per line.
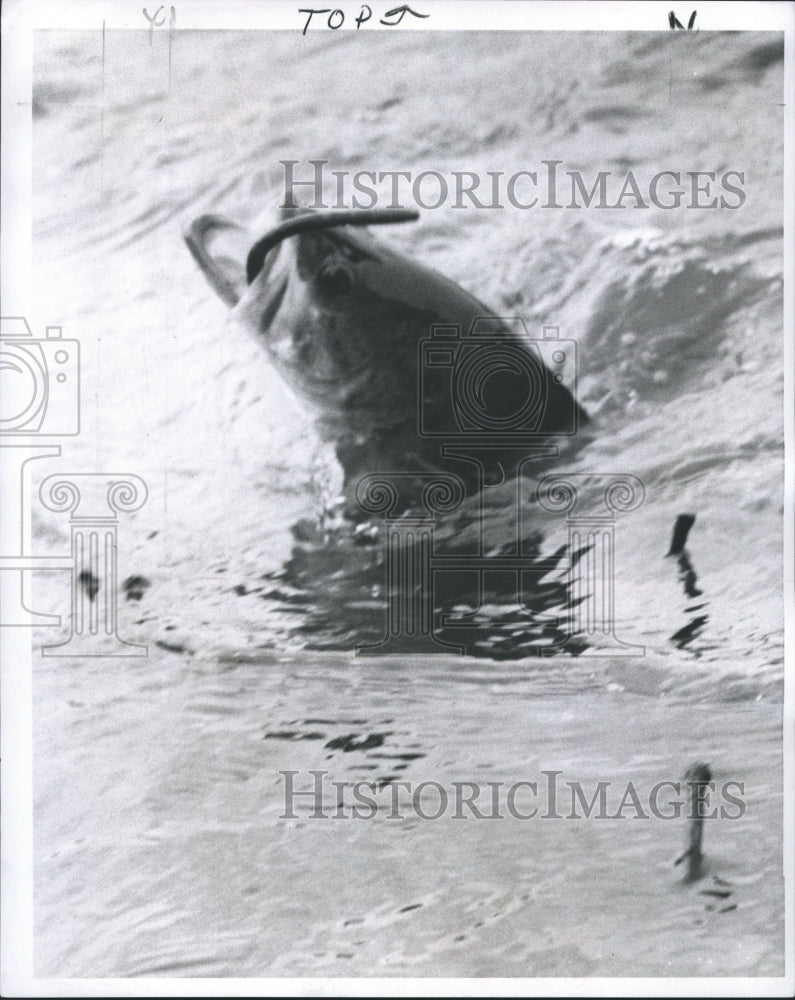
<point x="379" y="756"/>
<point x="688" y="579"/>
<point x="335" y="584"/>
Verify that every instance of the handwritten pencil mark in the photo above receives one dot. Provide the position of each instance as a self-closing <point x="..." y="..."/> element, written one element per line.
<point x="153" y="22"/>
<point x="674" y="22"/>
<point x="336" y="17"/>
<point x="400" y="13"/>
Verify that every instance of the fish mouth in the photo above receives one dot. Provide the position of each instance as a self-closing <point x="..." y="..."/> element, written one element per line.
<point x="310" y="222"/>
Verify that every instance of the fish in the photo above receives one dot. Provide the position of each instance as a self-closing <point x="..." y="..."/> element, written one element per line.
<point x="392" y="358"/>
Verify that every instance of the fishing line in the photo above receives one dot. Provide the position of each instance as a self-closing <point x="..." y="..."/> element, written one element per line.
<point x="314" y="221"/>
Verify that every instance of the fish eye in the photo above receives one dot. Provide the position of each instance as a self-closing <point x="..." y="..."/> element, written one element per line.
<point x="336" y="278"/>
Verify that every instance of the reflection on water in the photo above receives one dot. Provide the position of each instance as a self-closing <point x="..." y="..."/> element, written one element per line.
<point x="339" y="586"/>
<point x="688" y="579"/>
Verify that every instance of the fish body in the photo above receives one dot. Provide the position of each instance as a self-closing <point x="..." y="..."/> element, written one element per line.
<point x="391" y="357"/>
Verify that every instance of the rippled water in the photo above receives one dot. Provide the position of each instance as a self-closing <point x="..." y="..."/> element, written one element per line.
<point x="159" y="844"/>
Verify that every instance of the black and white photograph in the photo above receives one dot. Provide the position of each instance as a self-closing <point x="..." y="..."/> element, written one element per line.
<point x="397" y="529"/>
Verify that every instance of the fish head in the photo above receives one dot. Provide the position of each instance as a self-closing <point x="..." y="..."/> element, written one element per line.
<point x="338" y="313"/>
<point x="343" y="319"/>
<point x="313" y="310"/>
